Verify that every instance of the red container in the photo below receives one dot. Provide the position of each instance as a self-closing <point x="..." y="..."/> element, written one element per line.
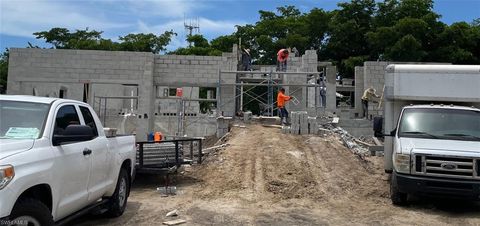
<point x="179" y="92"/>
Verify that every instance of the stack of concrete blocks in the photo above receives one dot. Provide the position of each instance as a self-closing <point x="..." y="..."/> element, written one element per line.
<point x="223" y="124"/>
<point x="299" y="123"/>
<point x="312" y="125"/>
<point x="359" y="89"/>
<point x="247" y="116"/>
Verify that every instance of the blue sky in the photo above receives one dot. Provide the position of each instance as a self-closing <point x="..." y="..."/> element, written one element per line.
<point x="20" y="18"/>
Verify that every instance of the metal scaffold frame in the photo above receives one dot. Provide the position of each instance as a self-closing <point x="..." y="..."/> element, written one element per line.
<point x="268" y="81"/>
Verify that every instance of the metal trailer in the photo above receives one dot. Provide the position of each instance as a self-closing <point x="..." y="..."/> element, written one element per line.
<point x="166" y="156"/>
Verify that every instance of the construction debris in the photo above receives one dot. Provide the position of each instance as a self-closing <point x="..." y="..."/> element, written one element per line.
<point x="377" y="142"/>
<point x="175" y="222"/>
<point x="167" y="190"/>
<point x="350" y="142"/>
<point x="214" y="148"/>
<point x="172" y="213"/>
<point x="222" y="139"/>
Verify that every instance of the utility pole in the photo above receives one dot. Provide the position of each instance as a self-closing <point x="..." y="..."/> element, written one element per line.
<point x="190" y="27"/>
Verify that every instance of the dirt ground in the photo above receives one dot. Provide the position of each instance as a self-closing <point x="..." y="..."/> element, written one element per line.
<point x="268" y="178"/>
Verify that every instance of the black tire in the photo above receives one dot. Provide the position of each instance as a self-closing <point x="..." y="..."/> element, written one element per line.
<point x="398" y="198"/>
<point x="32" y="211"/>
<point x="118" y="202"/>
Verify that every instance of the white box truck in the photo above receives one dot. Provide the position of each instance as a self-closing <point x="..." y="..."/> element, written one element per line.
<point x="432" y="121"/>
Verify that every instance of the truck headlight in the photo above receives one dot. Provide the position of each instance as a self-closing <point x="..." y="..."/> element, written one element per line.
<point x="401" y="163"/>
<point x="6" y="175"/>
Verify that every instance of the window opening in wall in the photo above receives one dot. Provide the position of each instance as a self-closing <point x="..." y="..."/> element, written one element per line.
<point x="209" y="93"/>
<point x="172" y="92"/>
<point x="86" y="91"/>
<point x="62" y="93"/>
<point x="130" y="90"/>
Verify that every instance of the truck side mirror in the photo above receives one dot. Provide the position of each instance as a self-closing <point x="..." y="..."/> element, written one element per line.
<point x="73" y="133"/>
<point x="393" y="132"/>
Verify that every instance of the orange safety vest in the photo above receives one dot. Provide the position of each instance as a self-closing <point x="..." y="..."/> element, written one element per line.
<point x="281" y="98"/>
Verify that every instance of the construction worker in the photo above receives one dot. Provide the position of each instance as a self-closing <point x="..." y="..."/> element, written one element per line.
<point x="246" y="60"/>
<point x="282" y="57"/>
<point x="281" y="100"/>
<point x="368" y="95"/>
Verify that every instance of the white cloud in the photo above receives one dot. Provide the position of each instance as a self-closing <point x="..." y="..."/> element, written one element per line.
<point x="23" y="17"/>
<point x="115" y="17"/>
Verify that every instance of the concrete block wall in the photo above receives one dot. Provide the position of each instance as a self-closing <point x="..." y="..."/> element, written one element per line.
<point x="307" y="63"/>
<point x="194" y="126"/>
<point x="357" y="127"/>
<point x="359" y="89"/>
<point x="374" y="76"/>
<point x="171" y="106"/>
<point x="198" y="71"/>
<point x="331" y="88"/>
<point x="48" y="70"/>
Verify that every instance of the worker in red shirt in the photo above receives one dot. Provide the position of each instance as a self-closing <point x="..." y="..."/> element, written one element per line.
<point x="282" y="57"/>
<point x="281" y="100"/>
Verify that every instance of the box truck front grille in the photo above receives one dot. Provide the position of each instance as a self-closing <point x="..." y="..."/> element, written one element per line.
<point x="451" y="167"/>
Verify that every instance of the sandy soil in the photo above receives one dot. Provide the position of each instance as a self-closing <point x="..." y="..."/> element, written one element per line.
<point x="268" y="178"/>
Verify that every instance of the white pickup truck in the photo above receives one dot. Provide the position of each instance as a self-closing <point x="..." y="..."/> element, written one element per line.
<point x="56" y="162"/>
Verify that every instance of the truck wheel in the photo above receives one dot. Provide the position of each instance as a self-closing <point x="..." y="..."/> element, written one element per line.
<point x="29" y="211"/>
<point x="118" y="201"/>
<point x="398" y="198"/>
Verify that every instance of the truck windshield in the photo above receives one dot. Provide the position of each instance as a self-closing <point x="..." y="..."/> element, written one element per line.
<point x="439" y="123"/>
<point x="22" y="120"/>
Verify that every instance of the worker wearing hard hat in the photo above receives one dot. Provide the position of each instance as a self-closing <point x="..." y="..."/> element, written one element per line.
<point x="368" y="95"/>
<point x="281" y="101"/>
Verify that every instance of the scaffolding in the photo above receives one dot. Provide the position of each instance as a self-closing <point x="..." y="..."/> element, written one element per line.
<point x="245" y="84"/>
<point x="102" y="105"/>
<point x="268" y="80"/>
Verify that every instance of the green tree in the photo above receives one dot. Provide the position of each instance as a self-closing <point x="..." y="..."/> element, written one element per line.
<point x="407" y="49"/>
<point x="3" y="71"/>
<point x="62" y="38"/>
<point x="347" y="30"/>
<point x="146" y="42"/>
<point x="459" y="43"/>
<point x="200" y="47"/>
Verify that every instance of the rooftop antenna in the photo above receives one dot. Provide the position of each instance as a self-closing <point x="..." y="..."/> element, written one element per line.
<point x="190" y="27"/>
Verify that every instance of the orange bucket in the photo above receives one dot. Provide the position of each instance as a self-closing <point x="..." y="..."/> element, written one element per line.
<point x="157" y="136"/>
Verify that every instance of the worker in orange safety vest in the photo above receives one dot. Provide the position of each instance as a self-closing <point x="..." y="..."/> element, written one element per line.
<point x="281" y="100"/>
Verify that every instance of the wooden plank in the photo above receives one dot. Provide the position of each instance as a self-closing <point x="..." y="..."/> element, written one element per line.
<point x="364" y="143"/>
<point x="273" y="126"/>
<point x="377" y="142"/>
<point x="381" y="98"/>
<point x="175" y="222"/>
